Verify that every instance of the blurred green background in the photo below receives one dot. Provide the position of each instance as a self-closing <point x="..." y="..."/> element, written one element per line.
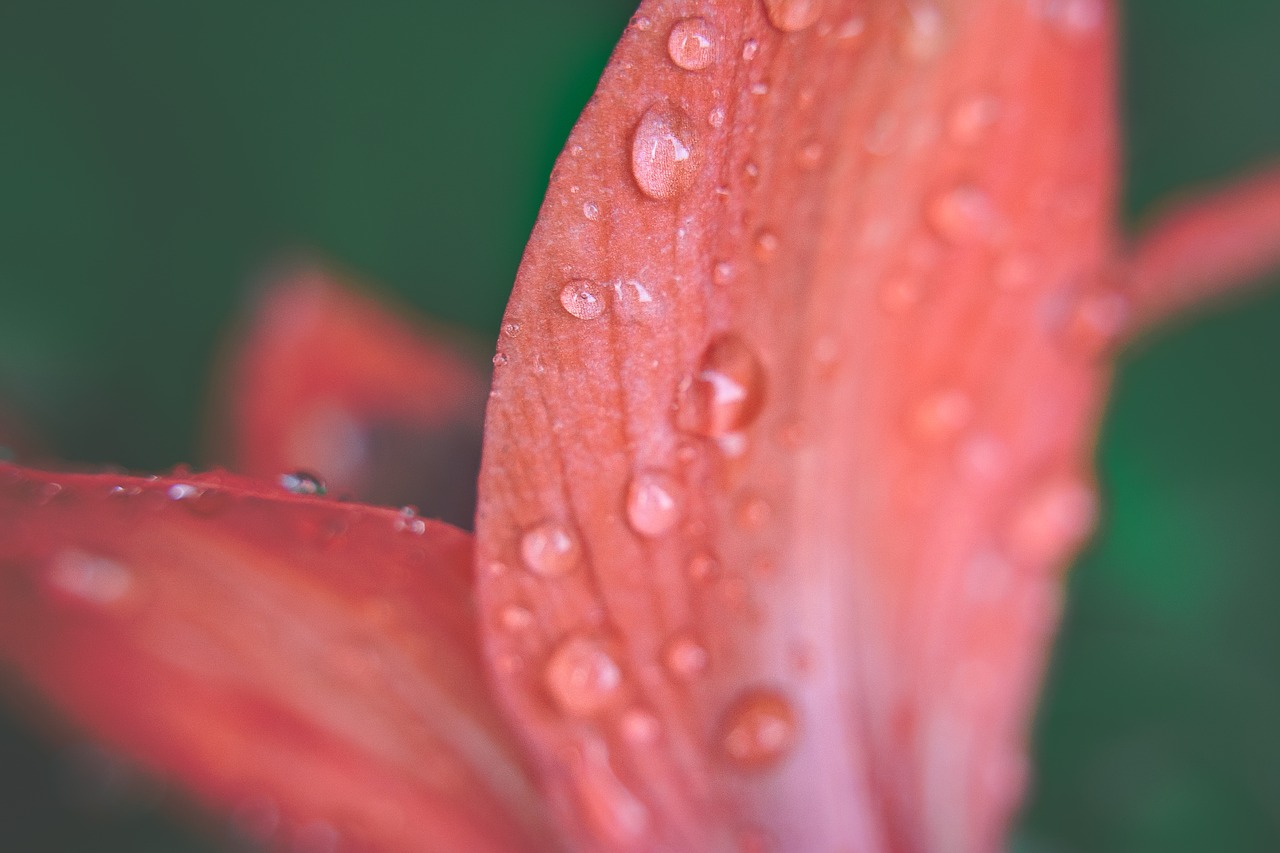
<point x="154" y="156"/>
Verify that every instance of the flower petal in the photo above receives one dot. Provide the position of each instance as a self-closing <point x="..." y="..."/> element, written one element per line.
<point x="796" y="434"/>
<point x="384" y="408"/>
<point x="299" y="657"/>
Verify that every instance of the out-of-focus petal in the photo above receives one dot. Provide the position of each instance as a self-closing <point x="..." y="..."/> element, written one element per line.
<point x="795" y="435"/>
<point x="309" y="663"/>
<point x="379" y="404"/>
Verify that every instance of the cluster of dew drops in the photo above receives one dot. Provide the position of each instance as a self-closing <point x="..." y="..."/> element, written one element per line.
<point x="724" y="393"/>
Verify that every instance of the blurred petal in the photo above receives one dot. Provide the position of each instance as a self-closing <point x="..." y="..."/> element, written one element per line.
<point x="378" y="404"/>
<point x="1205" y="245"/>
<point x="795" y="435"/>
<point x="307" y="661"/>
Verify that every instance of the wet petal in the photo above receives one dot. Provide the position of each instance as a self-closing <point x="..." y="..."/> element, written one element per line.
<point x="307" y="659"/>
<point x="379" y="405"/>
<point x="819" y="448"/>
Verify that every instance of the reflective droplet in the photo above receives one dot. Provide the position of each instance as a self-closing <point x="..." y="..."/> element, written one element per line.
<point x="791" y="16"/>
<point x="642" y="23"/>
<point x="662" y="152"/>
<point x="515" y="618"/>
<point x="302" y="483"/>
<point x="550" y="549"/>
<point x="90" y="577"/>
<point x="852" y="29"/>
<point x="692" y="44"/>
<point x="758" y="730"/>
<point x="726" y="391"/>
<point x="583" y="299"/>
<point x="962" y="214"/>
<point x="407" y="521"/>
<point x="685" y="657"/>
<point x="971" y="118"/>
<point x="941" y="414"/>
<point x="1055" y="517"/>
<point x="722" y="273"/>
<point x="810" y="155"/>
<point x="766" y="246"/>
<point x="716" y="117"/>
<point x="500" y="359"/>
<point x="640" y="727"/>
<point x="750" y="48"/>
<point x="1097" y="322"/>
<point x="591" y="210"/>
<point x="655" y="502"/>
<point x="582" y="676"/>
<point x="923" y="34"/>
<point x="612" y="811"/>
<point x="759" y="88"/>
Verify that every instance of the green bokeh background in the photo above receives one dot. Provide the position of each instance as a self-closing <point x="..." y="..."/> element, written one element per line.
<point x="155" y="155"/>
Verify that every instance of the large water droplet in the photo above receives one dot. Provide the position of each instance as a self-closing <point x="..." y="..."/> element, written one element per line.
<point x="550" y="549"/>
<point x="692" y="44"/>
<point x="685" y="657"/>
<point x="583" y="677"/>
<point x="791" y="16"/>
<point x="758" y="730"/>
<point x="302" y="483"/>
<point x="725" y="393"/>
<point x="583" y="299"/>
<point x="662" y="152"/>
<point x="655" y="502"/>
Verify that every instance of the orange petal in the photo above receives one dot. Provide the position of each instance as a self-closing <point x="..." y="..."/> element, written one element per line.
<point x="379" y="405"/>
<point x="310" y="660"/>
<point x="795" y="436"/>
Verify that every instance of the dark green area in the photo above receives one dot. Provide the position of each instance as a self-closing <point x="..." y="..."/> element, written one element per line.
<point x="154" y="156"/>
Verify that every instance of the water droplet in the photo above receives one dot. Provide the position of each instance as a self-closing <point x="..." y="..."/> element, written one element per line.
<point x="583" y="299"/>
<point x="1055" y="517"/>
<point x="640" y="727"/>
<point x="511" y="330"/>
<point x="766" y="246"/>
<point x="758" y="730"/>
<point x="722" y="273"/>
<point x="90" y="577"/>
<point x="1097" y="322"/>
<point x="759" y="88"/>
<point x="810" y="155"/>
<point x="791" y="16"/>
<point x="750" y="48"/>
<point x="655" y="502"/>
<point x="613" y="812"/>
<point x="642" y="23"/>
<point x="1071" y="17"/>
<point x="702" y="568"/>
<point x="550" y="549"/>
<point x="716" y="117"/>
<point x="500" y="359"/>
<point x="583" y="677"/>
<point x="515" y="618"/>
<point x="591" y="210"/>
<point x="852" y="29"/>
<point x="692" y="44"/>
<point x="302" y="483"/>
<point x="941" y="414"/>
<point x="685" y="657"/>
<point x="971" y="118"/>
<point x="662" y="152"/>
<point x="753" y="512"/>
<point x="922" y="36"/>
<point x="962" y="214"/>
<point x="407" y="521"/>
<point x="726" y="391"/>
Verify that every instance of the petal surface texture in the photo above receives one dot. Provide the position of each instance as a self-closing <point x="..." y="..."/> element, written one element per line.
<point x="381" y="406"/>
<point x="306" y="661"/>
<point x="784" y="465"/>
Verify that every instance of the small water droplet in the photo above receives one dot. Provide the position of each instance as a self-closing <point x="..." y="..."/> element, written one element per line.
<point x="753" y="512"/>
<point x="972" y="117"/>
<point x="726" y="391"/>
<point x="685" y="657"/>
<point x="941" y="414"/>
<point x="766" y="246"/>
<point x="500" y="359"/>
<point x="662" y="152"/>
<point x="583" y="677"/>
<point x="692" y="44"/>
<point x="302" y="483"/>
<point x="852" y="29"/>
<point x="758" y="730"/>
<point x="759" y="88"/>
<point x="923" y="34"/>
<point x="962" y="214"/>
<point x="791" y="16"/>
<point x="1097" y="322"/>
<point x="583" y="299"/>
<point x="702" y="567"/>
<point x="591" y="210"/>
<point x="722" y="273"/>
<point x="1056" y="516"/>
<point x="640" y="727"/>
<point x="655" y="502"/>
<point x="750" y="48"/>
<point x="91" y="577"/>
<point x="810" y="155"/>
<point x="407" y="521"/>
<point x="550" y="549"/>
<point x="182" y="491"/>
<point x="716" y="117"/>
<point x="642" y="23"/>
<point x="511" y="330"/>
<point x="515" y="618"/>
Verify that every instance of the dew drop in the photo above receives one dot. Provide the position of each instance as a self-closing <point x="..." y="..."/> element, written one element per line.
<point x="766" y="246"/>
<point x="758" y="730"/>
<point x="810" y="155"/>
<point x="716" y="117"/>
<point x="583" y="299"/>
<point x="550" y="549"/>
<point x="515" y="618"/>
<point x="582" y="676"/>
<point x="662" y="152"/>
<point x="1057" y="515"/>
<point x="500" y="359"/>
<point x="591" y="210"/>
<point x="654" y="503"/>
<point x="759" y="88"/>
<point x="923" y="35"/>
<point x="407" y="521"/>
<point x="91" y="577"/>
<point x="726" y="391"/>
<point x="685" y="657"/>
<point x="750" y="48"/>
<point x="302" y="483"/>
<point x="791" y="16"/>
<point x="702" y="568"/>
<point x="971" y="118"/>
<point x="640" y="727"/>
<point x="642" y="23"/>
<point x="1097" y="322"/>
<point x="722" y="273"/>
<point x="692" y="44"/>
<point x="962" y="214"/>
